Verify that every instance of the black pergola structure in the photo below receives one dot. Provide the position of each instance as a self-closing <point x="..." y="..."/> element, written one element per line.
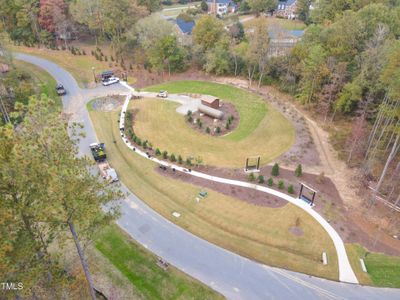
<point x="252" y="164"/>
<point x="306" y="198"/>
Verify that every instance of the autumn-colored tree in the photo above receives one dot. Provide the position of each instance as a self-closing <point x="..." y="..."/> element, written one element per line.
<point x="52" y="13"/>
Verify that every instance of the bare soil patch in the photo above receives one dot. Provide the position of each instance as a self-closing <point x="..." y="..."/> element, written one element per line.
<point x="108" y="103"/>
<point x="230" y="113"/>
<point x="297" y="231"/>
<point x="244" y="194"/>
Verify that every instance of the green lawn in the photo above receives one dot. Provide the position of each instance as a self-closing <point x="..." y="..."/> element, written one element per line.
<point x="43" y="81"/>
<point x="262" y="130"/>
<point x="260" y="233"/>
<point x="139" y="267"/>
<point x="383" y="270"/>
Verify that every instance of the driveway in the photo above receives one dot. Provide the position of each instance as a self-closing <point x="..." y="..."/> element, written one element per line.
<point x="234" y="276"/>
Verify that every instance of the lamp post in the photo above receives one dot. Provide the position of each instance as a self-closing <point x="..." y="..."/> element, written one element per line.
<point x="94" y="74"/>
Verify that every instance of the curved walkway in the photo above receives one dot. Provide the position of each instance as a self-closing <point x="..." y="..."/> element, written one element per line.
<point x="346" y="273"/>
<point x="232" y="275"/>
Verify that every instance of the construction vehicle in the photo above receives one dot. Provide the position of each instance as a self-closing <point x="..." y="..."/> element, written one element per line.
<point x="99" y="155"/>
<point x="98" y="151"/>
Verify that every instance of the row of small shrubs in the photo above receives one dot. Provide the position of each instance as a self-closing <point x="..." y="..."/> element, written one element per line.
<point x="270" y="182"/>
<point x="147" y="145"/>
<point x="178" y="158"/>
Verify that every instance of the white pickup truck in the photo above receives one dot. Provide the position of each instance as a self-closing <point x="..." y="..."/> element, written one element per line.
<point x="107" y="172"/>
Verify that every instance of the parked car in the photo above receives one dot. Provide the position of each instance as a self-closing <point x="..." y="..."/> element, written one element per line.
<point x="162" y="94"/>
<point x="60" y="90"/>
<point x="110" y="80"/>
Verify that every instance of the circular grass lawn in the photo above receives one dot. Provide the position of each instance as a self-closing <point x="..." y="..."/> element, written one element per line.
<point x="262" y="130"/>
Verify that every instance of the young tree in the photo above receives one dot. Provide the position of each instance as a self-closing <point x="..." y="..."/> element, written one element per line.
<point x="281" y="184"/>
<point x="270" y="181"/>
<point x="299" y="171"/>
<point x="261" y="179"/>
<point x="275" y="170"/>
<point x="290" y="189"/>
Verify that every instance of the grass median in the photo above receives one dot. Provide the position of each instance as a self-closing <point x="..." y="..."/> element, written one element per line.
<point x="260" y="233"/>
<point x="262" y="130"/>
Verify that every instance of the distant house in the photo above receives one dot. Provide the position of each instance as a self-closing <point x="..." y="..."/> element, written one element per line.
<point x="221" y="7"/>
<point x="287" y="9"/>
<point x="184" y="30"/>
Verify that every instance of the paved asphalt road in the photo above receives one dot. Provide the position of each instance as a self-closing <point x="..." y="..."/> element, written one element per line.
<point x="228" y="273"/>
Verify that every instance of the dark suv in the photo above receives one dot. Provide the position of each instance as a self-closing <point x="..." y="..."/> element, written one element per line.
<point x="60" y="90"/>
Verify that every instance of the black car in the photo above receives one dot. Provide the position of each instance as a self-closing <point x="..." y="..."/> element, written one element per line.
<point x="60" y="90"/>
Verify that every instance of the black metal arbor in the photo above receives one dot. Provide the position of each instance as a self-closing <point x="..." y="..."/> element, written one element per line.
<point x="252" y="163"/>
<point x="306" y="197"/>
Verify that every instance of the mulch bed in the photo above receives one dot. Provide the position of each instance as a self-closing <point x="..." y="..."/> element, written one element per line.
<point x="244" y="194"/>
<point x="351" y="227"/>
<point x="228" y="109"/>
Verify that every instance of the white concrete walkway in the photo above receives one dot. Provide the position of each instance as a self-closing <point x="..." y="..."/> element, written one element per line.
<point x="346" y="273"/>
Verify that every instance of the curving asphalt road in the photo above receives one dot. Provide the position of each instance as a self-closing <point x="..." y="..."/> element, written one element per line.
<point x="234" y="276"/>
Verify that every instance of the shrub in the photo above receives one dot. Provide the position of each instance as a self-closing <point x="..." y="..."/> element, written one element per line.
<point x="299" y="171"/>
<point x="165" y="154"/>
<point x="208" y="130"/>
<point x="190" y="119"/>
<point x="252" y="177"/>
<point x="281" y="184"/>
<point x="105" y="58"/>
<point x="139" y="142"/>
<point x="261" y="179"/>
<point x="92" y="52"/>
<point x="180" y="159"/>
<point x="100" y="58"/>
<point x="189" y="113"/>
<point x="227" y="125"/>
<point x="158" y="152"/>
<point x="275" y="170"/>
<point x="172" y="157"/>
<point x="145" y="144"/>
<point x="218" y="130"/>
<point x="199" y="123"/>
<point x="83" y="52"/>
<point x="270" y="182"/>
<point x="321" y="178"/>
<point x="112" y="58"/>
<point x="189" y="161"/>
<point x="290" y="189"/>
